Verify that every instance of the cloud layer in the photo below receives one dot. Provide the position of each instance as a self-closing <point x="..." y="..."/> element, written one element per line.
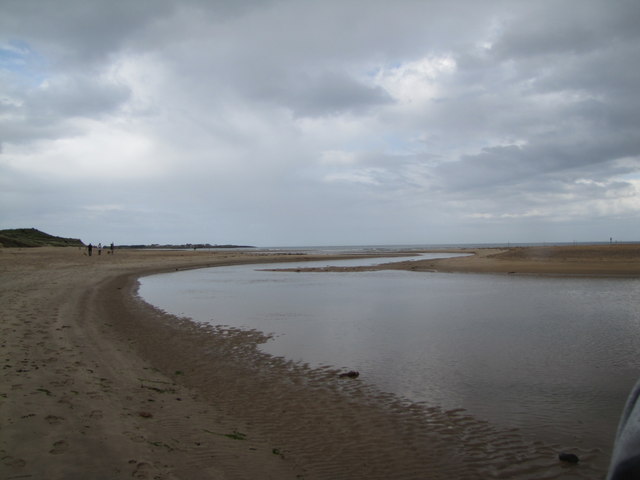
<point x="351" y="122"/>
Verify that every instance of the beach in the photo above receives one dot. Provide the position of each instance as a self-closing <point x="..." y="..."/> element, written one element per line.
<point x="98" y="384"/>
<point x="590" y="260"/>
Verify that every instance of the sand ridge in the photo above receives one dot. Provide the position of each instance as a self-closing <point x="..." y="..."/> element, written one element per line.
<point x="584" y="260"/>
<point x="98" y="384"/>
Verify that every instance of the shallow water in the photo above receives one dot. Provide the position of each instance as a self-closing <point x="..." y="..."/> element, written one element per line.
<point x="552" y="356"/>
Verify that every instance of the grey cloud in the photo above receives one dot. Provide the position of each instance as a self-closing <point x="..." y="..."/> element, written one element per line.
<point x="609" y="72"/>
<point x="43" y="112"/>
<point x="75" y="31"/>
<point x="239" y="101"/>
<point x="76" y="96"/>
<point x="551" y="29"/>
<point x="497" y="167"/>
<point x="329" y="93"/>
<point x="23" y="130"/>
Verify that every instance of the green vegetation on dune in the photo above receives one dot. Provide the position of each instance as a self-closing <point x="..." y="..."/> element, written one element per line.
<point x="31" y="237"/>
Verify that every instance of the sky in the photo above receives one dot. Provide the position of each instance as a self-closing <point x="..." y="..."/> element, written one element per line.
<point x="328" y="122"/>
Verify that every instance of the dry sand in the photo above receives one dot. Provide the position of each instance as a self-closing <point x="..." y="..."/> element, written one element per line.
<point x="96" y="384"/>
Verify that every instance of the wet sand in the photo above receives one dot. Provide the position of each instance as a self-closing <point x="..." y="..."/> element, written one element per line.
<point x="607" y="260"/>
<point x="97" y="384"/>
<point x="592" y="260"/>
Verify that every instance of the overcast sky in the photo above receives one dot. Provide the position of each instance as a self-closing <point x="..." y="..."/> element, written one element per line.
<point x="301" y="122"/>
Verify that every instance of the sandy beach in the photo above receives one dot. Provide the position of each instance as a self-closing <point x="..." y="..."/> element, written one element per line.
<point x="98" y="384"/>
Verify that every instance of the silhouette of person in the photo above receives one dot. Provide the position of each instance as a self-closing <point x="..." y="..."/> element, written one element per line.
<point x="89" y="249"/>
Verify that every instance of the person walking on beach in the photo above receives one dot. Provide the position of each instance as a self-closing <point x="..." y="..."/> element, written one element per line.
<point x="89" y="249"/>
<point x="111" y="248"/>
<point x="100" y="248"/>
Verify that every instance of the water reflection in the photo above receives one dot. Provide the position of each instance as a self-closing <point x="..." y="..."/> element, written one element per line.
<point x="552" y="356"/>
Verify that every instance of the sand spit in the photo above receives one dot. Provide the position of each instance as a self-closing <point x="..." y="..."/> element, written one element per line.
<point x="591" y="260"/>
<point x="98" y="384"/>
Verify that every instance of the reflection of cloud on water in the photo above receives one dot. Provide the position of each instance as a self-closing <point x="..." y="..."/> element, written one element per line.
<point x="518" y="351"/>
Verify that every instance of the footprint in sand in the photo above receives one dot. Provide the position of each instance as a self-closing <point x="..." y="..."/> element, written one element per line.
<point x="10" y="461"/>
<point x="53" y="419"/>
<point x="141" y="471"/>
<point x="134" y="437"/>
<point x="59" y="447"/>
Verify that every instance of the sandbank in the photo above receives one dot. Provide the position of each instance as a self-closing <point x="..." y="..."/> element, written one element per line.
<point x="98" y="384"/>
<point x="579" y="260"/>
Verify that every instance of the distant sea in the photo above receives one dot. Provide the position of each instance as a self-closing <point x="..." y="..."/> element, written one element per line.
<point x="426" y="246"/>
<point x="367" y="249"/>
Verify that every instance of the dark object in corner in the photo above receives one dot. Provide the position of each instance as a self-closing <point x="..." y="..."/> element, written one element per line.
<point x="625" y="459"/>
<point x="568" y="457"/>
<point x="351" y="374"/>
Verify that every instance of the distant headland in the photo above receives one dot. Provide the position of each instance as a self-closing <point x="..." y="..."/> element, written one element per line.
<point x="32" y="237"/>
